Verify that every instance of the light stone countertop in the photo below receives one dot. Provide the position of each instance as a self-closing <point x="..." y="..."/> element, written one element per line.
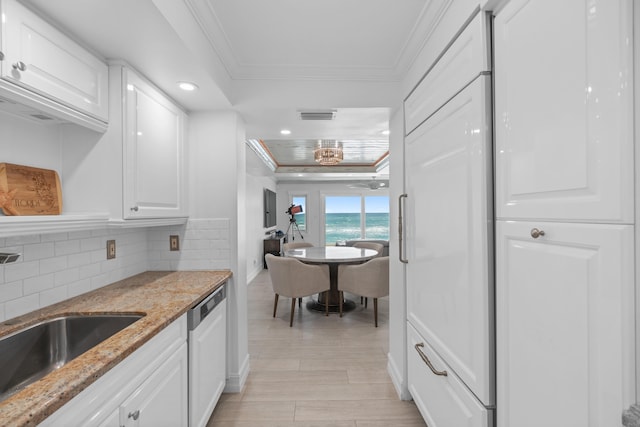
<point x="161" y="296"/>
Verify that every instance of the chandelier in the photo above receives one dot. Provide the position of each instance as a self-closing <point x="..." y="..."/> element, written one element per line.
<point x="328" y="152"/>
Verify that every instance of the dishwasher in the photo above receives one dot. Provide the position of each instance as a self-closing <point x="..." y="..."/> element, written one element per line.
<point x="207" y="355"/>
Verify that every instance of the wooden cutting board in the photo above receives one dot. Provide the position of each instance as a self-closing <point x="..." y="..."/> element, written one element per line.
<point x="25" y="190"/>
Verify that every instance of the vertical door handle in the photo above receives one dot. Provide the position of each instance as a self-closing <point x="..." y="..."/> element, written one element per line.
<point x="401" y="255"/>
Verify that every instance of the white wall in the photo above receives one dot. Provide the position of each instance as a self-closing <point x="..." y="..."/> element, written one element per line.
<point x="256" y="183"/>
<point x="315" y="205"/>
<point x="217" y="191"/>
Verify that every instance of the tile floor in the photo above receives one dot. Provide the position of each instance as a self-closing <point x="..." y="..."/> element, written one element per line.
<point x="324" y="371"/>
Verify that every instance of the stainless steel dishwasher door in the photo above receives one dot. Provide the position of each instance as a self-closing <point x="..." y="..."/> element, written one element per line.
<point x="207" y="356"/>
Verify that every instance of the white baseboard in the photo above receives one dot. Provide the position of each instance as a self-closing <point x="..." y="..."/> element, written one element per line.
<point x="398" y="380"/>
<point x="235" y="382"/>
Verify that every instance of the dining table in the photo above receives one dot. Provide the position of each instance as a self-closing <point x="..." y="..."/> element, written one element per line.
<point x="333" y="256"/>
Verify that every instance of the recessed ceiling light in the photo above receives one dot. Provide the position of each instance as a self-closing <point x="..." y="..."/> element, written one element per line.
<point x="385" y="132"/>
<point x="285" y="132"/>
<point x="188" y="86"/>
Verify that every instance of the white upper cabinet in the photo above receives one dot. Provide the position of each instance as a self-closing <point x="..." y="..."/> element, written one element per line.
<point x="467" y="57"/>
<point x="153" y="181"/>
<point x="563" y="110"/>
<point x="46" y="70"/>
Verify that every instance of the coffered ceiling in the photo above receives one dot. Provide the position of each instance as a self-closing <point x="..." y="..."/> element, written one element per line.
<point x="267" y="59"/>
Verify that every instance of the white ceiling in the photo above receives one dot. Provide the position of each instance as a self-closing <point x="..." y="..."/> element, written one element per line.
<point x="267" y="59"/>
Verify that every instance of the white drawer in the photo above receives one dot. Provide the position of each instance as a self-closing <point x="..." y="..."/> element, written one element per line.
<point x="443" y="401"/>
<point x="462" y="62"/>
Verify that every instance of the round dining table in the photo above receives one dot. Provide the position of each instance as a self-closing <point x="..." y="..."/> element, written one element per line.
<point x="333" y="256"/>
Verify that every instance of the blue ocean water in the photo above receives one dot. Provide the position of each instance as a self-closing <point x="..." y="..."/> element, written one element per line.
<point x="346" y="226"/>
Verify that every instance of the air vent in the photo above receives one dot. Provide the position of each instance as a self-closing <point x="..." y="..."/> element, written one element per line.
<point x="318" y="115"/>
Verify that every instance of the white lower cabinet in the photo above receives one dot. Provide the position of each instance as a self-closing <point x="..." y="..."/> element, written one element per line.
<point x="443" y="400"/>
<point x="146" y="389"/>
<point x="161" y="399"/>
<point x="565" y="323"/>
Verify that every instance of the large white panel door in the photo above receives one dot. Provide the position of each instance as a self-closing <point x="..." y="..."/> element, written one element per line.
<point x="563" y="106"/>
<point x="564" y="324"/>
<point x="449" y="236"/>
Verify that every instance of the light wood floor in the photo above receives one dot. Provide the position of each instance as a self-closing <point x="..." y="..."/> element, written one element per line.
<point x="324" y="371"/>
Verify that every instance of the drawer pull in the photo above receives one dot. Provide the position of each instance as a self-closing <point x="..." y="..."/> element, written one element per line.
<point x="135" y="415"/>
<point x="426" y="360"/>
<point x="535" y="233"/>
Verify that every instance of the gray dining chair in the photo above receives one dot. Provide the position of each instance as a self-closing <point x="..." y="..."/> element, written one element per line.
<point x="296" y="245"/>
<point x="295" y="279"/>
<point x="370" y="279"/>
<point x="379" y="247"/>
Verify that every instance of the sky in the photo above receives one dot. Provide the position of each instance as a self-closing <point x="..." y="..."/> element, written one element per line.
<point x="351" y="204"/>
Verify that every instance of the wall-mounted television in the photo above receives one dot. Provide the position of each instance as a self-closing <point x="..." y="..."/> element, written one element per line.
<point x="269" y="208"/>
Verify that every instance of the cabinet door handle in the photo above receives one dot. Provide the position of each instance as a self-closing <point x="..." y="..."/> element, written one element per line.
<point x="426" y="360"/>
<point x="135" y="415"/>
<point x="401" y="229"/>
<point x="20" y="66"/>
<point x="535" y="233"/>
<point x="1" y="56"/>
<point x="135" y="208"/>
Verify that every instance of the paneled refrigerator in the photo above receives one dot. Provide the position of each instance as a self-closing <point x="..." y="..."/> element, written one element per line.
<point x="447" y="221"/>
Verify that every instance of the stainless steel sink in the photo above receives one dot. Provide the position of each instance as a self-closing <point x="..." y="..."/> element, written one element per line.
<point x="31" y="353"/>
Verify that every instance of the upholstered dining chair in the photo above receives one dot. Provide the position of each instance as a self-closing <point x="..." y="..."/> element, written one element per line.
<point x="296" y="245"/>
<point x="294" y="279"/>
<point x="370" y="279"/>
<point x="370" y="245"/>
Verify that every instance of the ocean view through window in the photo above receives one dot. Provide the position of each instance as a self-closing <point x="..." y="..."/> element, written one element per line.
<point x="356" y="217"/>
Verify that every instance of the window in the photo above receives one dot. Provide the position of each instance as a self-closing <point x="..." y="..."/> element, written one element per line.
<point x="301" y="218"/>
<point x="356" y="217"/>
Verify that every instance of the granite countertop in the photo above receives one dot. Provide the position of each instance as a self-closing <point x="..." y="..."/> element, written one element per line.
<point x="160" y="295"/>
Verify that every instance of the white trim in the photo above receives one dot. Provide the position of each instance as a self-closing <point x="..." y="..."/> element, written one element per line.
<point x="236" y="382"/>
<point x="397" y="379"/>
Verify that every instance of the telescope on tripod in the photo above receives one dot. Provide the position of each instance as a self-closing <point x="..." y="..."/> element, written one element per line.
<point x="293" y="224"/>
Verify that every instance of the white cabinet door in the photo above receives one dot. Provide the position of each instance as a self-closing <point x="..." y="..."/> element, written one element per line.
<point x="565" y="323"/>
<point x="153" y="152"/>
<point x="449" y="236"/>
<point x="207" y="361"/>
<point x="563" y="106"/>
<point x="112" y="420"/>
<point x="161" y="401"/>
<point x="44" y="60"/>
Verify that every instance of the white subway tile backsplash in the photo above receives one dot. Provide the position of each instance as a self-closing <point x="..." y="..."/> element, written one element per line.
<point x="37" y="284"/>
<point x="53" y="296"/>
<point x="54" y="237"/>
<point x="93" y="243"/>
<point x="9" y="291"/>
<point x="21" y="270"/>
<point x="51" y="265"/>
<point x="66" y="276"/>
<point x="63" y="265"/>
<point x="88" y="270"/>
<point x="79" y="287"/>
<point x="79" y="259"/>
<point x="22" y="240"/>
<point x="66" y="247"/>
<point x="37" y="251"/>
<point x="22" y="305"/>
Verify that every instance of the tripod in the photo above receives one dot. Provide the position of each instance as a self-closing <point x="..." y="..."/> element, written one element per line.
<point x="293" y="224"/>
